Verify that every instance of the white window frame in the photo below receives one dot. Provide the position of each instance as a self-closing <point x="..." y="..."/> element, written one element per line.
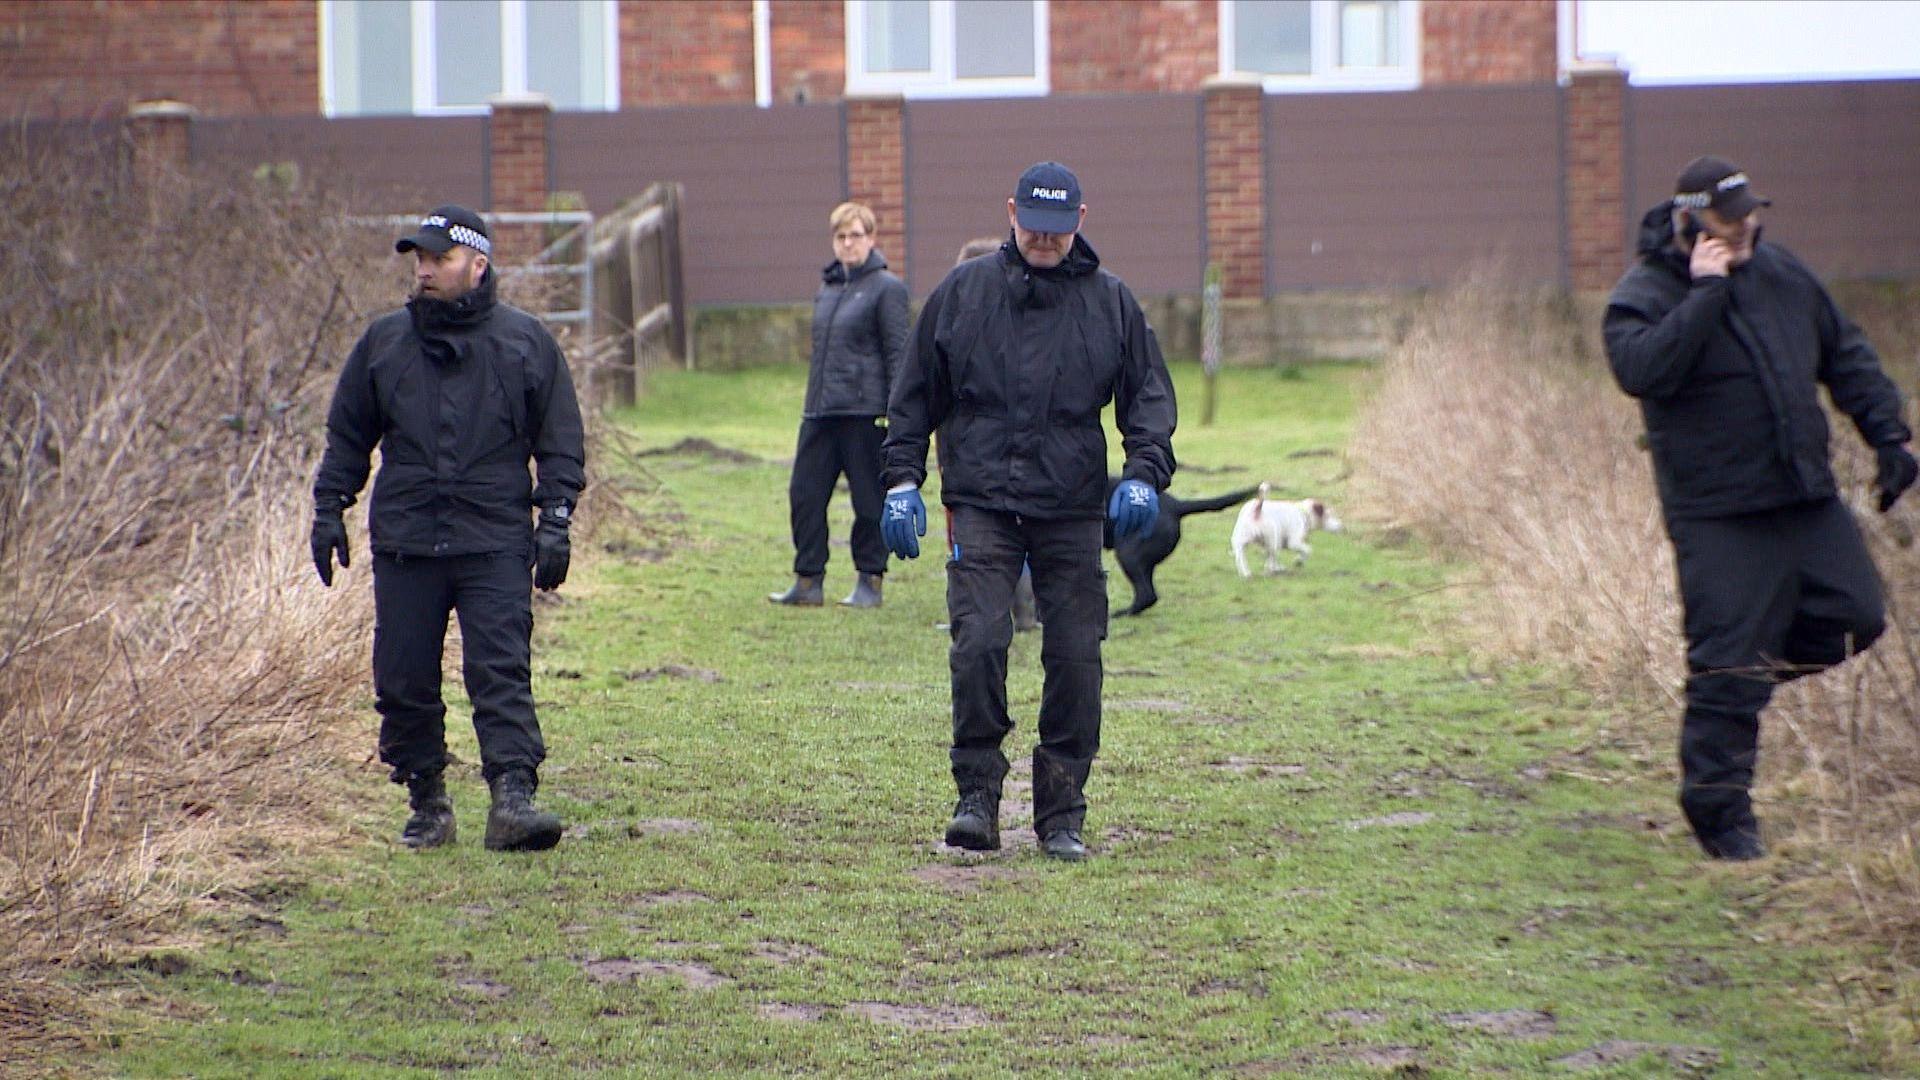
<point x="942" y="82"/>
<point x="1324" y="44"/>
<point x="513" y="59"/>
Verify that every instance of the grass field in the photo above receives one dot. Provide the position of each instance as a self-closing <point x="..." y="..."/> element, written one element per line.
<point x="1326" y="842"/>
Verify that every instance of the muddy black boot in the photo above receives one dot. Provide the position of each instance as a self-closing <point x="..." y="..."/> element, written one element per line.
<point x="866" y="592"/>
<point x="805" y="592"/>
<point x="976" y="822"/>
<point x="513" y="824"/>
<point x="432" y="822"/>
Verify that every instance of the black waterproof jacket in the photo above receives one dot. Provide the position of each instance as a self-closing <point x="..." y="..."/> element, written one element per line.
<point x="1726" y="372"/>
<point x="1013" y="366"/>
<point x="458" y="396"/>
<point x="860" y="328"/>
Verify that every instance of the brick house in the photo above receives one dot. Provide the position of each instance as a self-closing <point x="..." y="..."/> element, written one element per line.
<point x="1256" y="134"/>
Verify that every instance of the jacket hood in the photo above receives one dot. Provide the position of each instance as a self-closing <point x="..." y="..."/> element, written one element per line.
<point x="1081" y="259"/>
<point x="835" y="272"/>
<point x="1656" y="229"/>
<point x="431" y="316"/>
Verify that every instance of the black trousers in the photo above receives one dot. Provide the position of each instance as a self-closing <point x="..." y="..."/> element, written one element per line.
<point x="829" y="447"/>
<point x="1769" y="597"/>
<point x="1070" y="589"/>
<point x="493" y="595"/>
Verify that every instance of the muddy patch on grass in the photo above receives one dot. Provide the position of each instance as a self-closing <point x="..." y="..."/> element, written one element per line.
<point x="1618" y="1051"/>
<point x="665" y="827"/>
<point x="919" y="1017"/>
<point x="1356" y="1017"/>
<point x="1404" y="1060"/>
<point x="675" y="896"/>
<point x="1696" y="972"/>
<point x="1243" y="766"/>
<point x="1222" y="987"/>
<point x="615" y="970"/>
<point x="964" y="878"/>
<point x="1404" y="820"/>
<point x="784" y="952"/>
<point x="1150" y="705"/>
<point x="791" y="1013"/>
<point x="672" y="671"/>
<point x="484" y="988"/>
<point x="1507" y="1024"/>
<point x="695" y="446"/>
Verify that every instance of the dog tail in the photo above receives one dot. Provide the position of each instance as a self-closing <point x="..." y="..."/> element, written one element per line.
<point x="1183" y="507"/>
<point x="1262" y="502"/>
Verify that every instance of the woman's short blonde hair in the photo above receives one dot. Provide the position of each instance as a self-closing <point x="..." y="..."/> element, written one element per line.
<point x="851" y="211"/>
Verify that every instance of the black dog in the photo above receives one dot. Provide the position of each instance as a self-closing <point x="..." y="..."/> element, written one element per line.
<point x="1138" y="555"/>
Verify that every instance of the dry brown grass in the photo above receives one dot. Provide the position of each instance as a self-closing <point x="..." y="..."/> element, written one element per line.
<point x="1498" y="436"/>
<point x="174" y="683"/>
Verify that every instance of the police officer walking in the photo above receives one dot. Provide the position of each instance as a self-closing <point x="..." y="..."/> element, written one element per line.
<point x="1725" y="341"/>
<point x="1012" y="359"/>
<point x="459" y="391"/>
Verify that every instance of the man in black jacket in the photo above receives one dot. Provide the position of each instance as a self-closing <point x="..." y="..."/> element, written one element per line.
<point x="1725" y="341"/>
<point x="459" y="392"/>
<point x="1012" y="359"/>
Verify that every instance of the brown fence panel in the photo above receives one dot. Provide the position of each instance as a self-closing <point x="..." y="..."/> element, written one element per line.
<point x="63" y="140"/>
<point x="1840" y="160"/>
<point x="380" y="164"/>
<point x="1368" y="190"/>
<point x="1138" y="159"/>
<point x="758" y="184"/>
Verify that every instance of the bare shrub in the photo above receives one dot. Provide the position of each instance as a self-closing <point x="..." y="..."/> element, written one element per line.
<point x="175" y="686"/>
<point x="1498" y="436"/>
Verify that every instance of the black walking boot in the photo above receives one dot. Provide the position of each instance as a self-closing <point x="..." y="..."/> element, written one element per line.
<point x="432" y="822"/>
<point x="866" y="592"/>
<point x="513" y="824"/>
<point x="1064" y="844"/>
<point x="976" y="821"/>
<point x="805" y="592"/>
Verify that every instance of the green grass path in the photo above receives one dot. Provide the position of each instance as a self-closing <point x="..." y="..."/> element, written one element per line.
<point x="1326" y="844"/>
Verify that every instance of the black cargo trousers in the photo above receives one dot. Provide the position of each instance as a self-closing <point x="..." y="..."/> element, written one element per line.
<point x="493" y="595"/>
<point x="1069" y="587"/>
<point x="828" y="448"/>
<point x="1769" y="596"/>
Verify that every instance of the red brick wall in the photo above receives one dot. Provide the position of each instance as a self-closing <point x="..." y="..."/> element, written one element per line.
<point x="93" y="58"/>
<point x="809" y="49"/>
<point x="1596" y="177"/>
<point x="877" y="168"/>
<point x="1236" y="187"/>
<point x="1489" y="41"/>
<point x="686" y="52"/>
<point x="1100" y="46"/>
<point x="517" y="156"/>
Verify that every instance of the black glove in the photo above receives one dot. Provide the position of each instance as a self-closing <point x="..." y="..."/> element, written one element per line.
<point x="329" y="539"/>
<point x="1897" y="473"/>
<point x="551" y="548"/>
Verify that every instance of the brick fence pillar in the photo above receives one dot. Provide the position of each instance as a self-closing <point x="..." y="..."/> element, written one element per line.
<point x="877" y="169"/>
<point x="1597" y="243"/>
<point x="1236" y="200"/>
<point x="160" y="134"/>
<point x="519" y="153"/>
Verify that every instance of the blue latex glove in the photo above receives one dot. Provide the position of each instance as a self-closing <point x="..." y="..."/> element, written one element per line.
<point x="902" y="522"/>
<point x="1133" y="508"/>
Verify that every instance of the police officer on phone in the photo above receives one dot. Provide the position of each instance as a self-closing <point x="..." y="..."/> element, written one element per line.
<point x="1012" y="359"/>
<point x="1726" y="341"/>
<point x="459" y="391"/>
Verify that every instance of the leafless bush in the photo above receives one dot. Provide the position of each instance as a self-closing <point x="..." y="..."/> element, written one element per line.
<point x="1498" y="436"/>
<point x="172" y="678"/>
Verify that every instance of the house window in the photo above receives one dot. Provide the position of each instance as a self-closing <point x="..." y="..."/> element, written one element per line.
<point x="450" y="56"/>
<point x="1322" y="44"/>
<point x="947" y="48"/>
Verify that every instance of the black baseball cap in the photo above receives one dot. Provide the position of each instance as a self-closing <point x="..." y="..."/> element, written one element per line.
<point x="1047" y="199"/>
<point x="1717" y="183"/>
<point x="446" y="226"/>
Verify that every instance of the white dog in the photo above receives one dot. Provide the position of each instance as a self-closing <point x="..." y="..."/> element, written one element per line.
<point x="1278" y="526"/>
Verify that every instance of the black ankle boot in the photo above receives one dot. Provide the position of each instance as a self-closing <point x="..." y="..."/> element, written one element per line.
<point x="866" y="592"/>
<point x="513" y="824"/>
<point x="432" y="822"/>
<point x="976" y="822"/>
<point x="805" y="592"/>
